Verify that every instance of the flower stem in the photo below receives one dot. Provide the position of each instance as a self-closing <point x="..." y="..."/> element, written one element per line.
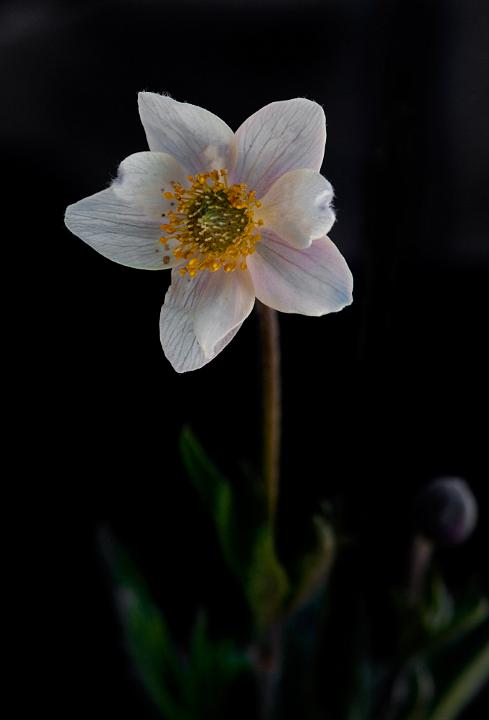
<point x="267" y="663"/>
<point x="421" y="557"/>
<point x="270" y="343"/>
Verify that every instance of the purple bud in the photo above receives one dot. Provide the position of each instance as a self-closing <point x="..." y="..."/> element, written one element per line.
<point x="446" y="511"/>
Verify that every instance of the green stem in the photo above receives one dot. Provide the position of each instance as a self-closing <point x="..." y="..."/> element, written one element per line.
<point x="465" y="687"/>
<point x="270" y="343"/>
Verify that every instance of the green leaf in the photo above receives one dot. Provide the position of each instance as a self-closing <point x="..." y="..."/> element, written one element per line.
<point x="437" y="620"/>
<point x="437" y="608"/>
<point x="245" y="535"/>
<point x="456" y="658"/>
<point x="469" y="681"/>
<point x="200" y="683"/>
<point x="466" y="618"/>
<point x="214" y="668"/>
<point x="413" y="692"/>
<point x="267" y="583"/>
<point x="216" y="494"/>
<point x="146" y="633"/>
<point x="314" y="564"/>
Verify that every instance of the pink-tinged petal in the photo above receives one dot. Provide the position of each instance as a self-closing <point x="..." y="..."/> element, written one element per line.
<point x="314" y="281"/>
<point x="282" y="136"/>
<point x="199" y="140"/>
<point x="120" y="231"/>
<point x="143" y="177"/>
<point x="201" y="315"/>
<point x="298" y="207"/>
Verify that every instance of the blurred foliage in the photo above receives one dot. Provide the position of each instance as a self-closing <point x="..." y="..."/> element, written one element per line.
<point x="199" y="681"/>
<point x="443" y="652"/>
<point x="244" y="531"/>
<point x="309" y="650"/>
<point x="247" y="539"/>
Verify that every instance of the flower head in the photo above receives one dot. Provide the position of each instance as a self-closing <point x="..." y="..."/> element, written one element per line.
<point x="235" y="216"/>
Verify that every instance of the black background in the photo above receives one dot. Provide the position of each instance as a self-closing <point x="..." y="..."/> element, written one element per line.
<point x="378" y="399"/>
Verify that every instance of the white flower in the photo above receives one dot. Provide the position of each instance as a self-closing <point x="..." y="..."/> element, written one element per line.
<point x="235" y="215"/>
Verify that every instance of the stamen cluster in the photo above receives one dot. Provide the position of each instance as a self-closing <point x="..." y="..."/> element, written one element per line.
<point x="213" y="223"/>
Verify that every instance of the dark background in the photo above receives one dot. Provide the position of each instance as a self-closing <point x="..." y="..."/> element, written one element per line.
<point x="377" y="399"/>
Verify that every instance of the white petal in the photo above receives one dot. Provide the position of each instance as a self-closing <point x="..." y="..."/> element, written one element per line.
<point x="143" y="177"/>
<point x="120" y="231"/>
<point x="201" y="315"/>
<point x="314" y="281"/>
<point x="282" y="136"/>
<point x="199" y="140"/>
<point x="298" y="207"/>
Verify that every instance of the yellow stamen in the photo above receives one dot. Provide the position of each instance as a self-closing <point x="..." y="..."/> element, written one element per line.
<point x="213" y="223"/>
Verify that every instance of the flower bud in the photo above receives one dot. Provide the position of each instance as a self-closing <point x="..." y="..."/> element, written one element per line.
<point x="446" y="511"/>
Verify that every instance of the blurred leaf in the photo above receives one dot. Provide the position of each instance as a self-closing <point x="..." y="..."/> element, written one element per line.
<point x="314" y="564"/>
<point x="245" y="536"/>
<point x="417" y="693"/>
<point x="445" y="673"/>
<point x="473" y="675"/>
<point x="437" y="608"/>
<point x="184" y="686"/>
<point x="146" y="633"/>
<point x="424" y="625"/>
<point x="214" y="668"/>
<point x="267" y="583"/>
<point x="466" y="618"/>
<point x="217" y="496"/>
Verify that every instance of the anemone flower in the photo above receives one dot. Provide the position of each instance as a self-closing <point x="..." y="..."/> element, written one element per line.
<point x="235" y="216"/>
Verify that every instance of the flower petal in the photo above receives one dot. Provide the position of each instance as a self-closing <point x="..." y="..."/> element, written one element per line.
<point x="298" y="207"/>
<point x="197" y="138"/>
<point x="314" y="281"/>
<point x="143" y="177"/>
<point x="201" y="315"/>
<point x="227" y="300"/>
<point x="282" y="136"/>
<point x="120" y="231"/>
